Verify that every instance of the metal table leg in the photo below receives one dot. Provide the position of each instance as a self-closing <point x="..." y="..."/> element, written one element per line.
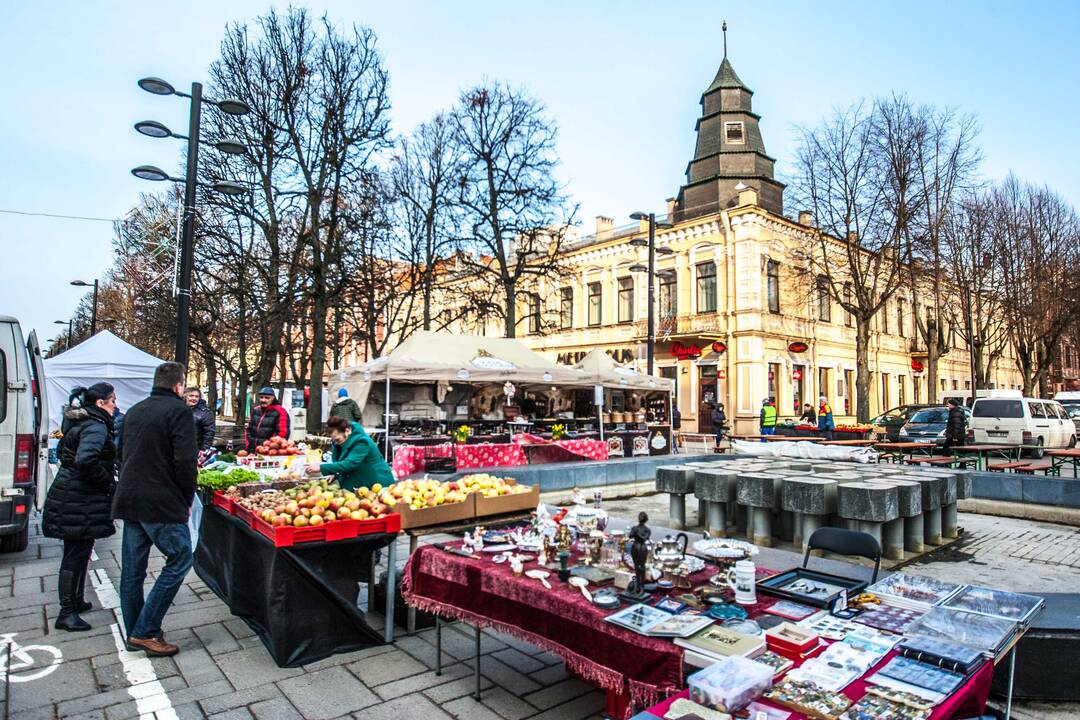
<point x="438" y="645"/>
<point x="391" y="588"/>
<point x="1012" y="670"/>
<point x="410" y="613"/>
<point x="477" y="695"/>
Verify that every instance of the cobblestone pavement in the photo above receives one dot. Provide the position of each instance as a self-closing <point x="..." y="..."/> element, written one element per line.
<point x="223" y="671"/>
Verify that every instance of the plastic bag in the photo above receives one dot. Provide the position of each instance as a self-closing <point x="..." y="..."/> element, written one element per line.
<point x="194" y="521"/>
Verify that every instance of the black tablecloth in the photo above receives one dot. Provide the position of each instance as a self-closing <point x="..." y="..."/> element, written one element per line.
<point x="300" y="600"/>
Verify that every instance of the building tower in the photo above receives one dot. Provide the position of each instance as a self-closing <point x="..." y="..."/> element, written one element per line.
<point x="729" y="151"/>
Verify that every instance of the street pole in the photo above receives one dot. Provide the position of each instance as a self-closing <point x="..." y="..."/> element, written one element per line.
<point x="93" y="312"/>
<point x="651" y="347"/>
<point x="187" y="239"/>
<point x="69" y="334"/>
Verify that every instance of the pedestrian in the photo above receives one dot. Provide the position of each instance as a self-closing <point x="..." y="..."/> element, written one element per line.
<point x="153" y="498"/>
<point x="268" y="419"/>
<point x="205" y="422"/>
<point x="355" y="460"/>
<point x="825" y="422"/>
<point x="768" y="417"/>
<point x="118" y="425"/>
<point x="78" y="507"/>
<point x="719" y="421"/>
<point x="346" y="408"/>
<point x="955" y="425"/>
<point x="809" y="417"/>
<point x="676" y="418"/>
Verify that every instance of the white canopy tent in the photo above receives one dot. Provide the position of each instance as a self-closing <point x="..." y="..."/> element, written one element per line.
<point x="602" y="369"/>
<point x="102" y="358"/>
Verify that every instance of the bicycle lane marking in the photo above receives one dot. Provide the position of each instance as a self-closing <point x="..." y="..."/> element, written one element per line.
<point x="151" y="700"/>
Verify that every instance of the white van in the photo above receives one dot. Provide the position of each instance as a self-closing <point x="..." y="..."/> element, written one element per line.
<point x="1017" y="420"/>
<point x="24" y="454"/>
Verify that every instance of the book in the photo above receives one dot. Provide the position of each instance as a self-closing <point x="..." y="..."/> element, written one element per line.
<point x="639" y="618"/>
<point x="790" y="610"/>
<point x="947" y="655"/>
<point x="778" y="663"/>
<point x="929" y="681"/>
<point x="720" y="642"/>
<point x="680" y="626"/>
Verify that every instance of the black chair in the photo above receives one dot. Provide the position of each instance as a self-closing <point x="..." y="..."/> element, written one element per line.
<point x="845" y="542"/>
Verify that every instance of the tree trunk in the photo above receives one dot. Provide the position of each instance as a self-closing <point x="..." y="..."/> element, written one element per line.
<point x="933" y="352"/>
<point x="511" y="308"/>
<point x="241" y="399"/>
<point x="862" y="368"/>
<point x="318" y="363"/>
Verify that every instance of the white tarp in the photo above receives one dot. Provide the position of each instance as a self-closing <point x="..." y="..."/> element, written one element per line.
<point x="805" y="451"/>
<point x="104" y="357"/>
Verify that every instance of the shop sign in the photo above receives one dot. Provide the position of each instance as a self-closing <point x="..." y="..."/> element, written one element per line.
<point x="719" y="348"/>
<point x="798" y="347"/>
<point x="623" y="356"/>
<point x="721" y="374"/>
<point x="917" y="366"/>
<point x="796" y="374"/>
<point x="685" y="352"/>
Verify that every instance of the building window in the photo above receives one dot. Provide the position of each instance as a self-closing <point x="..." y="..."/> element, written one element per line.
<point x="883" y="318"/>
<point x="823" y="384"/>
<point x="669" y="302"/>
<point x="848" y="317"/>
<point x="706" y="287"/>
<point x="901" y="390"/>
<point x="849" y="391"/>
<point x="594" y="303"/>
<point x="626" y="300"/>
<point x="566" y="307"/>
<point x="534" y="313"/>
<point x="798" y="384"/>
<point x="733" y="133"/>
<point x="885" y="393"/>
<point x="773" y="384"/>
<point x="671" y="373"/>
<point x="772" y="282"/>
<point x="900" y="325"/>
<point x="824" y="302"/>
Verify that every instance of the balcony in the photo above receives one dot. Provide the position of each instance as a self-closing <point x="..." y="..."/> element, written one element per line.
<point x="707" y="325"/>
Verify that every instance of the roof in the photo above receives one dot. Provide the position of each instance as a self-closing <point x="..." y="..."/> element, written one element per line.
<point x="603" y="370"/>
<point x="726" y="78"/>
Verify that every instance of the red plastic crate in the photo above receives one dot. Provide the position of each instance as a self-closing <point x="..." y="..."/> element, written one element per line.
<point x="223" y="501"/>
<point x="241" y="512"/>
<point x="287" y="535"/>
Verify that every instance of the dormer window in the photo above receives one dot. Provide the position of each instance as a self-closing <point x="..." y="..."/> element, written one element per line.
<point x="733" y="133"/>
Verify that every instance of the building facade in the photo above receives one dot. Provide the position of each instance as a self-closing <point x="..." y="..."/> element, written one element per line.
<point x="737" y="320"/>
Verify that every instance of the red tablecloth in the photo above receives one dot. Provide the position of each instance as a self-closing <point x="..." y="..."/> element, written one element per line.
<point x="409" y="459"/>
<point x="587" y="449"/>
<point x="489" y="455"/>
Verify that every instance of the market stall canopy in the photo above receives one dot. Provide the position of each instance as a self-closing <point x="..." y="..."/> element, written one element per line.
<point x="103" y="357"/>
<point x="601" y="369"/>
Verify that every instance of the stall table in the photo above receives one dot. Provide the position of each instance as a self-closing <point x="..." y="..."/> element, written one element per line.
<point x="850" y="443"/>
<point x="778" y="438"/>
<point x="983" y="452"/>
<point x="898" y="451"/>
<point x="300" y="600"/>
<point x="1059" y="458"/>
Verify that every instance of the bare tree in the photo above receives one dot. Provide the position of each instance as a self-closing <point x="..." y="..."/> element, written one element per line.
<point x="514" y="213"/>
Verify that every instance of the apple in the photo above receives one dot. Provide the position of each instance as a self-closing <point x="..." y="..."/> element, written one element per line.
<point x="291" y="507"/>
<point x="316" y="520"/>
<point x="352" y="505"/>
<point x="300" y="521"/>
<point x="305" y="512"/>
<point x="281" y="521"/>
<point x="334" y="505"/>
<point x="330" y="516"/>
<point x="360" y="515"/>
<point x="318" y="510"/>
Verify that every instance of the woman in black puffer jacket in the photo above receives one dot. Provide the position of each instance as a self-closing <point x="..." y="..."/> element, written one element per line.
<point x="78" y="509"/>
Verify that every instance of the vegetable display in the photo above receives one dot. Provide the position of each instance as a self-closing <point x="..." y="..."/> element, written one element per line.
<point x="220" y="480"/>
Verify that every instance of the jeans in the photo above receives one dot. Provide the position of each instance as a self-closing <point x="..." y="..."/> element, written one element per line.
<point x="771" y="430"/>
<point x="142" y="617"/>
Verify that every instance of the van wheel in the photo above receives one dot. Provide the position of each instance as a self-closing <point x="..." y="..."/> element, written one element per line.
<point x="1037" y="452"/>
<point x="1072" y="441"/>
<point x="15" y="543"/>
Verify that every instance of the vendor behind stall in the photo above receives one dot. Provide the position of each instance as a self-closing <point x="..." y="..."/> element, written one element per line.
<point x="356" y="462"/>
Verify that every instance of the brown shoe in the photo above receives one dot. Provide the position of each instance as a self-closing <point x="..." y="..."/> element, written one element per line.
<point x="152" y="646"/>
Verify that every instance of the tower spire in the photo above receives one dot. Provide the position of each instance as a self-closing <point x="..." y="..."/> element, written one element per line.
<point x="724" y="28"/>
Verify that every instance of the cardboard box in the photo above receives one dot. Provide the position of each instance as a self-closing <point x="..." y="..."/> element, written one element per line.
<point x="439" y="515"/>
<point x="503" y="504"/>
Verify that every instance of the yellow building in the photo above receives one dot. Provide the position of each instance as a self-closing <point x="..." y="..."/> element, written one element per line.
<point x="736" y="318"/>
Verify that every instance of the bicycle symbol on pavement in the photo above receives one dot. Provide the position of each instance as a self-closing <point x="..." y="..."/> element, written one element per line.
<point x="23" y="663"/>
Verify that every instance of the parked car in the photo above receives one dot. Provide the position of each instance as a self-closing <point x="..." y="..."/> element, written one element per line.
<point x="893" y="420"/>
<point x="1070" y="400"/>
<point x="928" y="425"/>
<point x="24" y="453"/>
<point x="1017" y="420"/>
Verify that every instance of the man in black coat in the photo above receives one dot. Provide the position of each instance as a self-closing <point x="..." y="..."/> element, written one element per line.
<point x="153" y="498"/>
<point x="205" y="422"/>
<point x="955" y="426"/>
<point x="268" y="419"/>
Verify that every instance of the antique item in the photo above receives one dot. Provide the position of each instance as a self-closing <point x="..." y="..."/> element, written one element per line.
<point x="791" y="638"/>
<point x="564" y="569"/>
<point x="725" y="550"/>
<point x="640" y="618"/>
<point x="671" y="605"/>
<point x="730" y="684"/>
<point x="639" y="551"/>
<point x="809" y="587"/>
<point x="997" y="603"/>
<point x="741" y="579"/>
<point x="726" y="611"/>
<point x="541" y="575"/>
<point x="984" y="632"/>
<point x="582" y="584"/>
<point x="606" y="598"/>
<point x="680" y="626"/>
<point x="595" y="546"/>
<point x="715" y="642"/>
<point x="790" y="610"/>
<point x="808" y="698"/>
<point x="913" y="591"/>
<point x="683" y="708"/>
<point x="593" y="573"/>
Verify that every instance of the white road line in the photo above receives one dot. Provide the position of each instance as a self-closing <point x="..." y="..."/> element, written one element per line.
<point x="150" y="697"/>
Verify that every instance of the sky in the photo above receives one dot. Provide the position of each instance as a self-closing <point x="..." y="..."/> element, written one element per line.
<point x="621" y="79"/>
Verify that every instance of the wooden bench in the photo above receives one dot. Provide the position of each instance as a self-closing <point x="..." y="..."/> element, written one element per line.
<point x="1030" y="468"/>
<point x="1002" y="467"/>
<point x="940" y="460"/>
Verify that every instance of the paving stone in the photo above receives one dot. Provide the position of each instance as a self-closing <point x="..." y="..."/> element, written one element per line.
<point x="92" y="715"/>
<point x="417" y="683"/>
<point x="35" y="570"/>
<point x="511" y="641"/>
<point x="113" y="677"/>
<point x="280" y="709"/>
<point x="197" y="666"/>
<point x="216" y="639"/>
<point x="551" y="674"/>
<point x="468" y="708"/>
<point x="576" y="709"/>
<point x="240" y="698"/>
<point x="548" y="658"/>
<point x="238" y="628"/>
<point x="205" y="614"/>
<point x="188" y="711"/>
<point x="103" y="700"/>
<point x="386" y="668"/>
<point x="419" y="649"/>
<point x="346" y="658"/>
<point x="518" y="660"/>
<point x="234" y="714"/>
<point x="460" y="641"/>
<point x="26" y="587"/>
<point x="505" y="676"/>
<point x="506" y="704"/>
<point x="403" y="708"/>
<point x="457" y="688"/>
<point x="557" y="694"/>
<point x="78" y="682"/>
<point x="253" y="666"/>
<point x="327" y="693"/>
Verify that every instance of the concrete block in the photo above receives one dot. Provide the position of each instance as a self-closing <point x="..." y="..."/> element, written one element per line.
<point x="931" y="489"/>
<point x="908" y="494"/>
<point x="715" y="484"/>
<point x="997" y="486"/>
<point x="809" y="495"/>
<point x="948" y="490"/>
<point x="867" y="502"/>
<point x="759" y="490"/>
<point x="675" y="479"/>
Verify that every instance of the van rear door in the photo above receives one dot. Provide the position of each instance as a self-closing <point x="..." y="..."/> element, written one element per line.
<point x="43" y="472"/>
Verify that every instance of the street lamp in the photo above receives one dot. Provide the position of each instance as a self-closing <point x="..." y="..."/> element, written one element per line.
<point x="93" y="312"/>
<point x="68" y="323"/>
<point x="651" y="244"/>
<point x="152" y="128"/>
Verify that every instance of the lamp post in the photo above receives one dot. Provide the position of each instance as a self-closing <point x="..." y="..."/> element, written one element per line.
<point x="68" y="323"/>
<point x="93" y="311"/>
<point x="650" y="348"/>
<point x="152" y="128"/>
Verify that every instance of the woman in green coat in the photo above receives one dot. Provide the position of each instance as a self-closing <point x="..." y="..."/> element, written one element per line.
<point x="355" y="460"/>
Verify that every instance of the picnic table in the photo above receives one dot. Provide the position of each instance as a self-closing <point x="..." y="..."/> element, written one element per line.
<point x="896" y="451"/>
<point x="984" y="451"/>
<point x="850" y="443"/>
<point x="1058" y="458"/>
<point x="777" y="438"/>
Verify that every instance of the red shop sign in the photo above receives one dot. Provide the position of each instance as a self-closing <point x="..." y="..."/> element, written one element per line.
<point x="917" y="366"/>
<point x="796" y="375"/>
<point x="719" y="347"/>
<point x="685" y="352"/>
<point x="798" y="347"/>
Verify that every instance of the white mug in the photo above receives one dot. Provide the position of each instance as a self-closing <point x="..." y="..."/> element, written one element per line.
<point x="741" y="579"/>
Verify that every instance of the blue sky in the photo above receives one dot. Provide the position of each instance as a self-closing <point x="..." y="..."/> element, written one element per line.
<point x="622" y="79"/>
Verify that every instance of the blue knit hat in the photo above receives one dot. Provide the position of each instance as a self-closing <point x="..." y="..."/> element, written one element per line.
<point x="342" y="393"/>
